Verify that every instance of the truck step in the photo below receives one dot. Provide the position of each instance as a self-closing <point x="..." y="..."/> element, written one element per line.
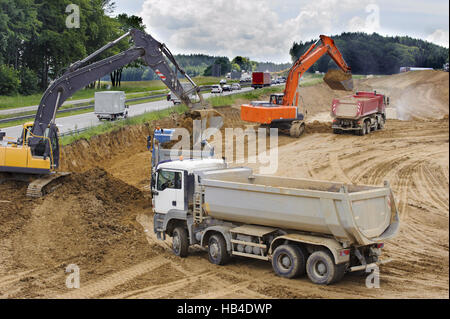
<point x="236" y="253"/>
<point x="248" y="243"/>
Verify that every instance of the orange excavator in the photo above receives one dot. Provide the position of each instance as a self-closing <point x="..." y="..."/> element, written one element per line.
<point x="283" y="109"/>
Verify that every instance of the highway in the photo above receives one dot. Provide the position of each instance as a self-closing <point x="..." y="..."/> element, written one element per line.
<point x="84" y="120"/>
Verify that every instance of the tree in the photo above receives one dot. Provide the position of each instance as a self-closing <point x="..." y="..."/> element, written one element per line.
<point x="244" y="63"/>
<point x="29" y="82"/>
<point x="18" y="22"/>
<point x="236" y="67"/>
<point x="376" y="54"/>
<point x="126" y="23"/>
<point x="9" y="80"/>
<point x="225" y="66"/>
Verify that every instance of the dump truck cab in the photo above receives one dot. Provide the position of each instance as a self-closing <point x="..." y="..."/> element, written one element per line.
<point x="173" y="183"/>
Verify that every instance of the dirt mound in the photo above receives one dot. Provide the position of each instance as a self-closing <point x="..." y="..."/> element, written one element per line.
<point x="338" y="80"/>
<point x="317" y="98"/>
<point x="318" y="127"/>
<point x="89" y="221"/>
<point x="419" y="94"/>
<point x="13" y="206"/>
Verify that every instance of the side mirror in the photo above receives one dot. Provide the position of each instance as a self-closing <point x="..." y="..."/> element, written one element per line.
<point x="387" y="100"/>
<point x="149" y="142"/>
<point x="153" y="181"/>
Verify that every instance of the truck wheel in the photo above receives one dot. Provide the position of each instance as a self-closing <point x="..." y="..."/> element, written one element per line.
<point x="375" y="127"/>
<point x="322" y="270"/>
<point x="217" y="250"/>
<point x="288" y="261"/>
<point x="180" y="242"/>
<point x="362" y="130"/>
<point x="337" y="131"/>
<point x="381" y="124"/>
<point x="368" y="127"/>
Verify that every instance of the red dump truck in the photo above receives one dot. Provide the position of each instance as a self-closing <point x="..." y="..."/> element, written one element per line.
<point x="260" y="79"/>
<point x="362" y="112"/>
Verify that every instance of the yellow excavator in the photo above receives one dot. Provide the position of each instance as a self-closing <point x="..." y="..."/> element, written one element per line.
<point x="34" y="156"/>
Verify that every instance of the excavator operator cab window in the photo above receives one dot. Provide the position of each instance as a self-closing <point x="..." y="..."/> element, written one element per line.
<point x="23" y="138"/>
<point x="276" y="99"/>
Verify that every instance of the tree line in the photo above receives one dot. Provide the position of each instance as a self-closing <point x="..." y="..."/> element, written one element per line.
<point x="377" y="54"/>
<point x="36" y="46"/>
<point x="201" y="64"/>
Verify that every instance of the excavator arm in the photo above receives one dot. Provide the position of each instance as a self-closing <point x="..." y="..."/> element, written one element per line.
<point x="80" y="74"/>
<point x="314" y="53"/>
<point x="282" y="111"/>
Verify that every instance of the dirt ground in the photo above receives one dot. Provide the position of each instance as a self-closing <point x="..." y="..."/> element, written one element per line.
<point x="100" y="218"/>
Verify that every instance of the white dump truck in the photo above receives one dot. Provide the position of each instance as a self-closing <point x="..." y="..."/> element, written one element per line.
<point x="110" y="105"/>
<point x="322" y="229"/>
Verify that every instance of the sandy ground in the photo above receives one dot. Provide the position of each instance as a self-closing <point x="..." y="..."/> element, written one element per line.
<point x="100" y="218"/>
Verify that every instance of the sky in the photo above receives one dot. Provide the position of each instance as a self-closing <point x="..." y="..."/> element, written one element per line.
<point x="264" y="30"/>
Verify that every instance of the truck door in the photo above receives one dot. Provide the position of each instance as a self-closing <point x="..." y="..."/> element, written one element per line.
<point x="169" y="191"/>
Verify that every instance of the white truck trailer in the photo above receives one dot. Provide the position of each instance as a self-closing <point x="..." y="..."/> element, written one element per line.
<point x="323" y="229"/>
<point x="110" y="105"/>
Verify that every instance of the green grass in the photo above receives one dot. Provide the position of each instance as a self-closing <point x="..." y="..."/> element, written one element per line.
<point x="152" y="116"/>
<point x="146" y="87"/>
<point x="59" y="115"/>
<point x="112" y="126"/>
<point x="228" y="100"/>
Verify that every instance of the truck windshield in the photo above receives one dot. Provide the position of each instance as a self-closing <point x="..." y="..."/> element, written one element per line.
<point x="168" y="179"/>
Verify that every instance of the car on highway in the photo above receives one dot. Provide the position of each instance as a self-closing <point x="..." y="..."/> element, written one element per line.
<point x="226" y="87"/>
<point x="235" y="86"/>
<point x="222" y="82"/>
<point x="216" y="89"/>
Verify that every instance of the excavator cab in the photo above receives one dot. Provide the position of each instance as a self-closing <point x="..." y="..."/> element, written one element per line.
<point x="276" y="98"/>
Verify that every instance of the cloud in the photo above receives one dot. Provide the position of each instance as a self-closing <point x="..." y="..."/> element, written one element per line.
<point x="249" y="28"/>
<point x="439" y="37"/>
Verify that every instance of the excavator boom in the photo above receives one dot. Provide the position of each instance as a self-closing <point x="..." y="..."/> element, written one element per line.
<point x="315" y="52"/>
<point x="282" y="111"/>
<point x="36" y="152"/>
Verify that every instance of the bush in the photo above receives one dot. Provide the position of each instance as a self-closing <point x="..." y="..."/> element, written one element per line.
<point x="9" y="80"/>
<point x="28" y="82"/>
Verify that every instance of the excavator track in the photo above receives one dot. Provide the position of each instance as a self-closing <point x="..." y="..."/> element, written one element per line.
<point x="37" y="189"/>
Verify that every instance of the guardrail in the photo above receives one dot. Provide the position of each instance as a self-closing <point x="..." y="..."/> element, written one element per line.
<point x="73" y="132"/>
<point x="85" y="107"/>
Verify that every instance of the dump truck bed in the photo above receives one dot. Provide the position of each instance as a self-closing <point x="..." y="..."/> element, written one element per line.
<point x="358" y="105"/>
<point x="354" y="214"/>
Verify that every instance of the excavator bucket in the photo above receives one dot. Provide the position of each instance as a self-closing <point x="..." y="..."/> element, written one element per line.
<point x="208" y="118"/>
<point x="339" y="80"/>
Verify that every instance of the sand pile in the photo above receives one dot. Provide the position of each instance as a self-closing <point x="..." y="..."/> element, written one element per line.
<point x="86" y="220"/>
<point x="415" y="94"/>
<point x="90" y="221"/>
<point x="15" y="207"/>
<point x="318" y="127"/>
<point x="339" y="80"/>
